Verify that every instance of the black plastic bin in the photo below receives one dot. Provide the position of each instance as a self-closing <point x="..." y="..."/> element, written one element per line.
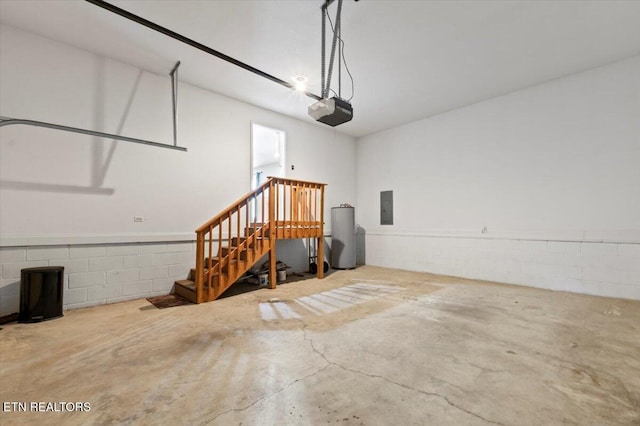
<point x="41" y="293"/>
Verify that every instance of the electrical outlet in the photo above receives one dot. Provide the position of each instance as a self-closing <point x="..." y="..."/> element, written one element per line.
<point x="138" y="219"/>
<point x="293" y="167"/>
<point x="485" y="230"/>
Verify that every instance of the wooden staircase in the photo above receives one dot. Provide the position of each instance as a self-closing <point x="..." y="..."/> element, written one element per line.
<point x="234" y="240"/>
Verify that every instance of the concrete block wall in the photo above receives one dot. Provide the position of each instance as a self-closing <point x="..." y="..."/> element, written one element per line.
<point x="99" y="274"/>
<point x="602" y="269"/>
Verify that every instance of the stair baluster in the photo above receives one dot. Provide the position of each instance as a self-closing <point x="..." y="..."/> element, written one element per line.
<point x="288" y="209"/>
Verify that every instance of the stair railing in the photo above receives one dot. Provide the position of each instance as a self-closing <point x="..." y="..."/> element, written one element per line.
<point x="225" y="230"/>
<point x="299" y="212"/>
<point x="286" y="208"/>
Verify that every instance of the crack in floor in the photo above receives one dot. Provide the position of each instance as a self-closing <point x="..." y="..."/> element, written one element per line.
<point x="402" y="385"/>
<point x="435" y="394"/>
<point x="336" y="364"/>
<point x="262" y="398"/>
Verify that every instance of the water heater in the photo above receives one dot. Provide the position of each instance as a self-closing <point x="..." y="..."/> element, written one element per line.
<point x="343" y="238"/>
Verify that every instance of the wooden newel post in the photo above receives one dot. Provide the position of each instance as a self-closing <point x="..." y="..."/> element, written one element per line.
<point x="272" y="236"/>
<point x="199" y="267"/>
<point x="320" y="259"/>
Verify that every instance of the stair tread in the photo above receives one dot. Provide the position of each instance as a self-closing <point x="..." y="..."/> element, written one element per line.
<point x="216" y="259"/>
<point x="206" y="270"/>
<point x="187" y="284"/>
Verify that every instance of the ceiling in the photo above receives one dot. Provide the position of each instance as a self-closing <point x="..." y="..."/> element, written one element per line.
<point x="409" y="59"/>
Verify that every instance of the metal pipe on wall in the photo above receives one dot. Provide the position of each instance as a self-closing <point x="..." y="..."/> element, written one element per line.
<point x="6" y="121"/>
<point x="174" y="101"/>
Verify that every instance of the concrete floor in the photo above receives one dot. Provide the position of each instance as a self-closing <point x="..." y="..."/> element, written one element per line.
<point x="370" y="346"/>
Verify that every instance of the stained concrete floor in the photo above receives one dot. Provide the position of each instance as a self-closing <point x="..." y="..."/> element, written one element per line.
<point x="370" y="346"/>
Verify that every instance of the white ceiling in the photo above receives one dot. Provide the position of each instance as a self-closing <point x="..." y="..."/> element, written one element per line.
<point x="409" y="59"/>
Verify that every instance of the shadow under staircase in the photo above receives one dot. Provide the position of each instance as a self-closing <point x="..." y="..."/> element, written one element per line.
<point x="229" y="244"/>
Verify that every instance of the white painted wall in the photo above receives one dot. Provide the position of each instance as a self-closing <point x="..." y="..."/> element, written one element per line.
<point x="60" y="189"/>
<point x="551" y="172"/>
